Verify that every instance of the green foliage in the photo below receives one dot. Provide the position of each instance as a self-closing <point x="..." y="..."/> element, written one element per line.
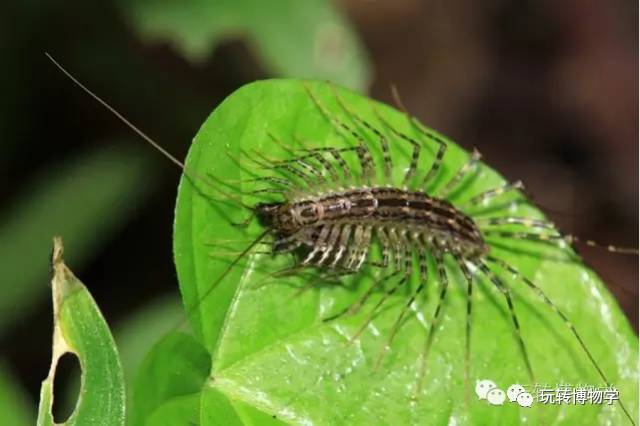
<point x="143" y="329"/>
<point x="272" y="352"/>
<point x="139" y="331"/>
<point x="15" y="407"/>
<point x="169" y="382"/>
<point x="261" y="354"/>
<point x="48" y="209"/>
<point x="292" y="38"/>
<point x="80" y="329"/>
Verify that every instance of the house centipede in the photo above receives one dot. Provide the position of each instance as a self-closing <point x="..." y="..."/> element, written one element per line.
<point x="331" y="217"/>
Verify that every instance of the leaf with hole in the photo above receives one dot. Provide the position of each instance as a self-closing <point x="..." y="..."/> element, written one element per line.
<point x="80" y="329"/>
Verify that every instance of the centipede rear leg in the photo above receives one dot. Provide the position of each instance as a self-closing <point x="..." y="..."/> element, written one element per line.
<point x="444" y="285"/>
<point x="405" y="275"/>
<point x="423" y="281"/>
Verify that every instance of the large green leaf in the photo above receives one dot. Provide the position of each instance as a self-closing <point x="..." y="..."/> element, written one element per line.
<point x="270" y="348"/>
<point x="292" y="38"/>
<point x="80" y="329"/>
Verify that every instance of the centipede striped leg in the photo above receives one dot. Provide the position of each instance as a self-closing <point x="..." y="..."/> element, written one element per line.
<point x="550" y="238"/>
<point x="356" y="305"/>
<point x="515" y="220"/>
<point x="437" y="162"/>
<point x="468" y="167"/>
<point x="319" y="244"/>
<point x="540" y="293"/>
<point x="467" y="340"/>
<point x="317" y="155"/>
<point x="416" y="148"/>
<point x="336" y="154"/>
<point x="406" y="275"/>
<point x="386" y="245"/>
<point x="514" y="318"/>
<point x="353" y="249"/>
<point x="444" y="285"/>
<point x="345" y="235"/>
<point x="364" y="248"/>
<point x="309" y="182"/>
<point x="492" y="193"/>
<point x="301" y="161"/>
<point x="526" y="236"/>
<point x="422" y="259"/>
<point x="364" y="155"/>
<point x="332" y="240"/>
<point x="285" y="245"/>
<point x="384" y="143"/>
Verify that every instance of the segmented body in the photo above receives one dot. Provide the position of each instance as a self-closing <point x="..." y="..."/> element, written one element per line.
<point x="338" y="229"/>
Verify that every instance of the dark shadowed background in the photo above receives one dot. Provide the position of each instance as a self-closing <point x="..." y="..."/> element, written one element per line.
<point x="546" y="90"/>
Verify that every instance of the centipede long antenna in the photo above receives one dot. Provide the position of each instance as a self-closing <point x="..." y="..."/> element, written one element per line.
<point x="144" y="136"/>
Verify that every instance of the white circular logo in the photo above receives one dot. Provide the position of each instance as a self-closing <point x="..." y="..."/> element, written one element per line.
<point x="483" y="387"/>
<point x="496" y="396"/>
<point x="513" y="392"/>
<point x="524" y="399"/>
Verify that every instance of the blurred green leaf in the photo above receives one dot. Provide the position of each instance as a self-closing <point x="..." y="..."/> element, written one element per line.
<point x="141" y="330"/>
<point x="272" y="351"/>
<point x="80" y="329"/>
<point x="16" y="408"/>
<point x="169" y="381"/>
<point x="85" y="201"/>
<point x="292" y="38"/>
<point x="183" y="409"/>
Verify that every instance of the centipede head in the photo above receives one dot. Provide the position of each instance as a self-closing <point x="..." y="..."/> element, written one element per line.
<point x="266" y="213"/>
<point x="278" y="216"/>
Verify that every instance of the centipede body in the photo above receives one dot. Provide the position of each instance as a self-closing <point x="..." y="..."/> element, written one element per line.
<point x="328" y="226"/>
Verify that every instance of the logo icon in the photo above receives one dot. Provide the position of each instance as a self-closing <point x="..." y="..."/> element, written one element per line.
<point x="487" y="389"/>
<point x="513" y="392"/>
<point x="483" y="387"/>
<point x="525" y="399"/>
<point x="496" y="396"/>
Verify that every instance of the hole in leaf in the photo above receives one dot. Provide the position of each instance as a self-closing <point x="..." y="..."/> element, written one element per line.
<point x="66" y="387"/>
